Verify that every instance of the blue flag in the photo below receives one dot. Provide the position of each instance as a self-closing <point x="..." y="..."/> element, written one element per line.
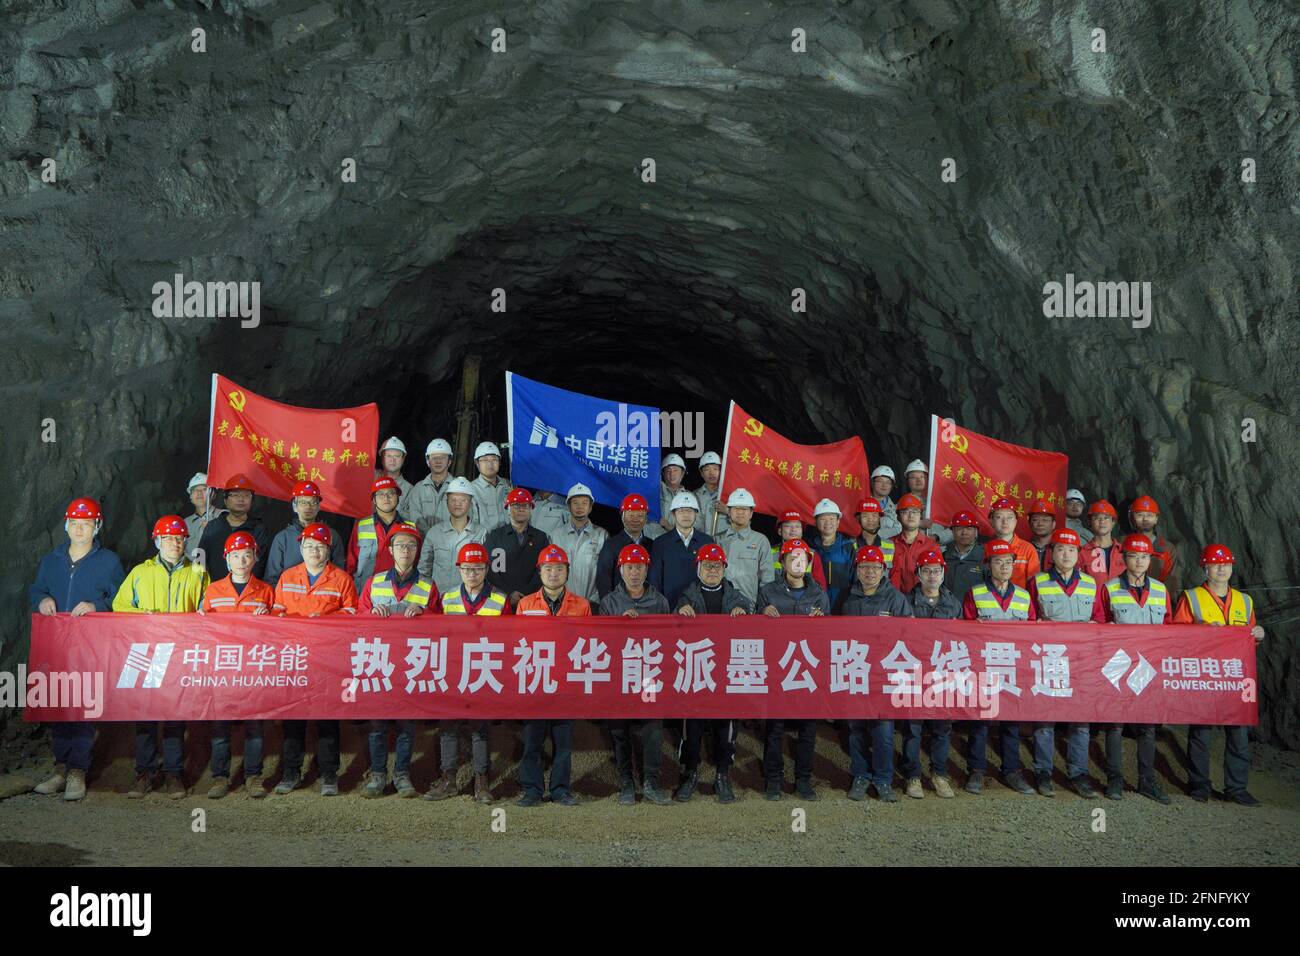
<point x="560" y="438"/>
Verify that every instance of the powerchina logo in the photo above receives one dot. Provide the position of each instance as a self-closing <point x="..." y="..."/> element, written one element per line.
<point x="139" y="661"/>
<point x="76" y="909"/>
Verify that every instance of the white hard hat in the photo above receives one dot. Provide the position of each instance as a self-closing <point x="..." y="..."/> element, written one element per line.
<point x="916" y="465"/>
<point x="577" y="491"/>
<point x="1074" y="494"/>
<point x="438" y="446"/>
<point x="393" y="444"/>
<point x="460" y="486"/>
<point x="684" y="499"/>
<point x="883" y="471"/>
<point x="199" y="479"/>
<point x="740" y="498"/>
<point x="827" y="507"/>
<point x="486" y="448"/>
<point x="710" y="458"/>
<point x="673" y="459"/>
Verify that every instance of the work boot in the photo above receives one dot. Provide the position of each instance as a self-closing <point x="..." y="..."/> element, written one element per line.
<point x="1045" y="785"/>
<point x="1152" y="791"/>
<point x="329" y="785"/>
<point x="1017" y="782"/>
<point x="290" y="782"/>
<point x="55" y="783"/>
<point x="1115" y="788"/>
<point x="1083" y="787"/>
<point x="444" y="788"/>
<point x="254" y="786"/>
<point x="143" y="784"/>
<point x="975" y="782"/>
<point x="858" y="791"/>
<point x="914" y="789"/>
<point x="220" y="787"/>
<point x="405" y="789"/>
<point x="568" y="800"/>
<point x="804" y="788"/>
<point x="773" y="791"/>
<point x="886" y="793"/>
<point x="1200" y="795"/>
<point x="174" y="787"/>
<point x="482" y="788"/>
<point x="1243" y="798"/>
<point x="375" y="785"/>
<point x="76" y="785"/>
<point x="686" y="789"/>
<point x="626" y="792"/>
<point x="656" y="796"/>
<point x="943" y="787"/>
<point x="527" y="800"/>
<point x="722" y="788"/>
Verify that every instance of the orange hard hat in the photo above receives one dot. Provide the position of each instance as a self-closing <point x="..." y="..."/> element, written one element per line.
<point x="1144" y="503"/>
<point x="910" y="501"/>
<point x="239" y="483"/>
<point x="1042" y="506"/>
<point x="170" y="526"/>
<point x="1103" y="507"/>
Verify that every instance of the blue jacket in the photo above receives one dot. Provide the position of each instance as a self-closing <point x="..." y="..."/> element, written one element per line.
<point x="837" y="563"/>
<point x="96" y="579"/>
<point x="672" y="564"/>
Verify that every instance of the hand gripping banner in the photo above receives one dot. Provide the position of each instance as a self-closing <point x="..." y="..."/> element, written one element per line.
<point x="241" y="666"/>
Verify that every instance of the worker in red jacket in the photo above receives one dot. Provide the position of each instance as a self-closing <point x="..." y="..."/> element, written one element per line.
<point x="368" y="551"/>
<point x="1102" y="557"/>
<point x="1143" y="514"/>
<point x="910" y="544"/>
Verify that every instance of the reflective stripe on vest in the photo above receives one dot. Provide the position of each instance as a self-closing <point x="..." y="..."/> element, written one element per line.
<point x="1206" y="610"/>
<point x="367" y="548"/>
<point x="990" y="609"/>
<point x="452" y="603"/>
<point x="1125" y="608"/>
<point x="1056" y="605"/>
<point x="381" y="591"/>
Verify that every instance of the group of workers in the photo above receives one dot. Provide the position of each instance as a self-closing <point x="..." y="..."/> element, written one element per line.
<point x="454" y="546"/>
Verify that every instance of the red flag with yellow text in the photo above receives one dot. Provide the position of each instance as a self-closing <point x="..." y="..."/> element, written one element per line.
<point x="275" y="445"/>
<point x="969" y="471"/>
<point x="782" y="475"/>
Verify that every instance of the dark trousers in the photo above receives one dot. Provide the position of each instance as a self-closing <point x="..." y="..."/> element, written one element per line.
<point x="146" y="746"/>
<point x="327" y="746"/>
<point x="72" y="743"/>
<point x="449" y="748"/>
<point x="871" y="750"/>
<point x="652" y="745"/>
<point x="1236" y="758"/>
<point x="221" y="748"/>
<point x="979" y="749"/>
<point x="774" y="749"/>
<point x="1146" y="744"/>
<point x="530" y="767"/>
<point x="940" y="740"/>
<point x="723" y="733"/>
<point x="379" y="746"/>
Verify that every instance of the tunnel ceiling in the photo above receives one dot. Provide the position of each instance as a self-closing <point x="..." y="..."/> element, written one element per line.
<point x="775" y="170"/>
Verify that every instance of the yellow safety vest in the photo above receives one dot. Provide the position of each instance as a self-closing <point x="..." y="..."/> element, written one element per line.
<point x="1125" y="608"/>
<point x="453" y="603"/>
<point x="990" y="609"/>
<point x="382" y="592"/>
<point x="1206" y="609"/>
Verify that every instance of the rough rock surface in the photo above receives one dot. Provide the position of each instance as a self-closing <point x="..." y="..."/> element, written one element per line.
<point x="775" y="170"/>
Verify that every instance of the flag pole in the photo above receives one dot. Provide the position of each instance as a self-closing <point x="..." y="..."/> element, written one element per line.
<point x="929" y="485"/>
<point x="722" y="476"/>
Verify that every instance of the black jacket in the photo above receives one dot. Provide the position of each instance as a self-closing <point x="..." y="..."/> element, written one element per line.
<point x="963" y="573"/>
<point x="607" y="564"/>
<point x="518" y="564"/>
<point x="788" y="600"/>
<point x="732" y="598"/>
<point x="213" y="544"/>
<point x="887" y="600"/>
<point x="947" y="606"/>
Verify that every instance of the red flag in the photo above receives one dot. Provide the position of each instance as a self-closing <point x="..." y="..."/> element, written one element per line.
<point x="782" y="475"/>
<point x="275" y="445"/>
<point x="969" y="471"/>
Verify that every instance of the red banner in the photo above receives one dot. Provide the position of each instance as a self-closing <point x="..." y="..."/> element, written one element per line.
<point x="275" y="445"/>
<point x="240" y="666"/>
<point x="782" y="475"/>
<point x="969" y="471"/>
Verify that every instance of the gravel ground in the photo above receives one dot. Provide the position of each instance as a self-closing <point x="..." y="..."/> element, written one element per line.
<point x="999" y="827"/>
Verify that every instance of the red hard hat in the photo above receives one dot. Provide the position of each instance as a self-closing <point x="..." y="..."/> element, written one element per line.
<point x="997" y="547"/>
<point x="870" y="506"/>
<point x="1137" y="544"/>
<point x="931" y="557"/>
<point x="713" y="552"/>
<point x="910" y="501"/>
<point x="472" y="553"/>
<point x="170" y="525"/>
<point x="384" y="483"/>
<point x="633" y="553"/>
<point x="1042" y="506"/>
<point x="308" y="489"/>
<point x="871" y="553"/>
<point x="1066" y="536"/>
<point x="1103" y="507"/>
<point x="795" y="544"/>
<point x="406" y="527"/>
<point x="552" y="554"/>
<point x="317" y="532"/>
<point x="240" y="541"/>
<point x="239" y="483"/>
<point x="634" y="503"/>
<point x="1216" y="554"/>
<point x="1144" y="503"/>
<point x="519" y="496"/>
<point x="964" y="519"/>
<point x="789" y="516"/>
<point x="87" y="508"/>
<point x="1002" y="504"/>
